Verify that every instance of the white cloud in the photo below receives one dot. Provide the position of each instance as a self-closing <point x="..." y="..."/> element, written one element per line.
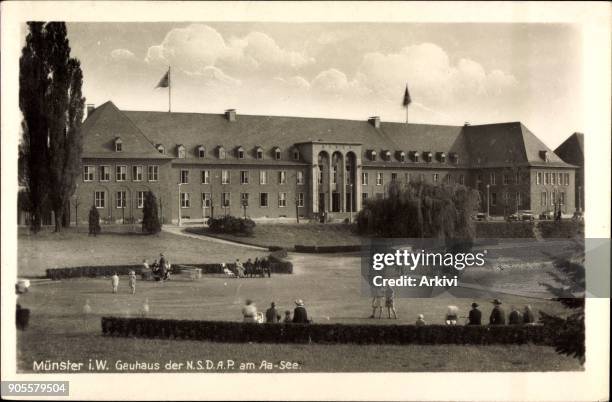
<point x="294" y="82"/>
<point x="431" y="76"/>
<point x="122" y="54"/>
<point x="197" y="47"/>
<point x="215" y="74"/>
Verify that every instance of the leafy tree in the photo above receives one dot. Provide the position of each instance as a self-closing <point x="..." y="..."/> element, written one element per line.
<point x="150" y="218"/>
<point x="94" y="221"/>
<point x="569" y="290"/>
<point x="52" y="105"/>
<point x="420" y="210"/>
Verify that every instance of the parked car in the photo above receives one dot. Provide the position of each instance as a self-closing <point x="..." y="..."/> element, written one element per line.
<point x="522" y="215"/>
<point x="547" y="215"/>
<point x="480" y="216"/>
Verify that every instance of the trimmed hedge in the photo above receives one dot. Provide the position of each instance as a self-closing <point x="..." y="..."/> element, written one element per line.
<point x="327" y="249"/>
<point x="561" y="229"/>
<point x="223" y="331"/>
<point x="277" y="264"/>
<point x="231" y="225"/>
<point x="505" y="229"/>
<point x="92" y="271"/>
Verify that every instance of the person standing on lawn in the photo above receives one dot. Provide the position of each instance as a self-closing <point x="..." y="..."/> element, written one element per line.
<point x="249" y="312"/>
<point x="498" y="316"/>
<point x="272" y="315"/>
<point x="299" y="313"/>
<point x="515" y="317"/>
<point x="528" y="317"/>
<point x="390" y="302"/>
<point x="475" y="315"/>
<point x="132" y="282"/>
<point x="377" y="302"/>
<point x="249" y="268"/>
<point x="266" y="268"/>
<point x="115" y="282"/>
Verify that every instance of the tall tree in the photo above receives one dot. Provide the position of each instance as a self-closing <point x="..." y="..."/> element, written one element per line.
<point x="33" y="87"/>
<point x="52" y="105"/>
<point x="150" y="219"/>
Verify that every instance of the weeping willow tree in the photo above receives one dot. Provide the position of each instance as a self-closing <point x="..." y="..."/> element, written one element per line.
<point x="421" y="210"/>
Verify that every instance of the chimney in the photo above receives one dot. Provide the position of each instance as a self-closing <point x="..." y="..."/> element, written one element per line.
<point x="230" y="114"/>
<point x="90" y="108"/>
<point x="374" y="121"/>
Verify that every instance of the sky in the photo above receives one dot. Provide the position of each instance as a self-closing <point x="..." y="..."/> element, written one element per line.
<point x="456" y="73"/>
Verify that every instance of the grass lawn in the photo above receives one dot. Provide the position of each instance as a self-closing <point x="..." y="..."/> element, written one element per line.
<point x="45" y="250"/>
<point x="287" y="235"/>
<point x="329" y="285"/>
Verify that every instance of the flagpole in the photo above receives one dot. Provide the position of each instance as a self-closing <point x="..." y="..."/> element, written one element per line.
<point x="406" y="114"/>
<point x="169" y="91"/>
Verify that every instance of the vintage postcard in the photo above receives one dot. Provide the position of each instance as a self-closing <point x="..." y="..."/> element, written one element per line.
<point x="381" y="201"/>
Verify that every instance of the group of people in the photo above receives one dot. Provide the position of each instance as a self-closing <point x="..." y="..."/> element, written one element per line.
<point x="388" y="296"/>
<point x="259" y="267"/>
<point x="131" y="282"/>
<point x="497" y="317"/>
<point x="159" y="269"/>
<point x="300" y="316"/>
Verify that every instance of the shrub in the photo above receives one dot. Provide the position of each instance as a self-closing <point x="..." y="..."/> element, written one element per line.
<point x="231" y="225"/>
<point x="150" y="218"/>
<point x="504" y="229"/>
<point x="94" y="221"/>
<point x="421" y="210"/>
<point x="328" y="249"/>
<point x="224" y="331"/>
<point x="561" y="229"/>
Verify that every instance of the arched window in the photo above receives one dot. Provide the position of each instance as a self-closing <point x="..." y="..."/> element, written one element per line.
<point x="240" y="152"/>
<point x="259" y="154"/>
<point x="201" y="151"/>
<point x="277" y="153"/>
<point x="160" y="148"/>
<point x="221" y="152"/>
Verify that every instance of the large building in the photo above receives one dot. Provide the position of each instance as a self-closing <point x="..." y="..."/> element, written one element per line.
<point x="572" y="151"/>
<point x="273" y="167"/>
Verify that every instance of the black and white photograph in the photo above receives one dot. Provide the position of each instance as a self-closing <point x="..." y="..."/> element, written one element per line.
<point x="236" y="200"/>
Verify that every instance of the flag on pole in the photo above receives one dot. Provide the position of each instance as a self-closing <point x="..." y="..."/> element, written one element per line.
<point x="165" y="81"/>
<point x="407" y="100"/>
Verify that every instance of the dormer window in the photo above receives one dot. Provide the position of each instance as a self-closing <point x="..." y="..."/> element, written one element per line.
<point x="386" y="154"/>
<point x="201" y="151"/>
<point x="160" y="148"/>
<point x="545" y="156"/>
<point x="221" y="152"/>
<point x="415" y="156"/>
<point x="277" y="153"/>
<point x="454" y="157"/>
<point x="118" y="145"/>
<point x="442" y="157"/>
<point x="259" y="153"/>
<point x="240" y="152"/>
<point x="401" y="156"/>
<point x="180" y="151"/>
<point x="372" y="155"/>
<point x="428" y="156"/>
<point x="296" y="155"/>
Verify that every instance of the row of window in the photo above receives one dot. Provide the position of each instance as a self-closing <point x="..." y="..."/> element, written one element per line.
<point x="408" y="177"/>
<point x="100" y="200"/>
<point x="552" y="198"/>
<point x="553" y="178"/>
<point x="240" y="152"/>
<point x="507" y="178"/>
<point x="89" y="173"/>
<point x="244" y="177"/>
<point x="415" y="156"/>
<point x="226" y="200"/>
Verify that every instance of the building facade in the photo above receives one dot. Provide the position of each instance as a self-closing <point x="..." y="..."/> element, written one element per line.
<point x="200" y="165"/>
<point x="572" y="151"/>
